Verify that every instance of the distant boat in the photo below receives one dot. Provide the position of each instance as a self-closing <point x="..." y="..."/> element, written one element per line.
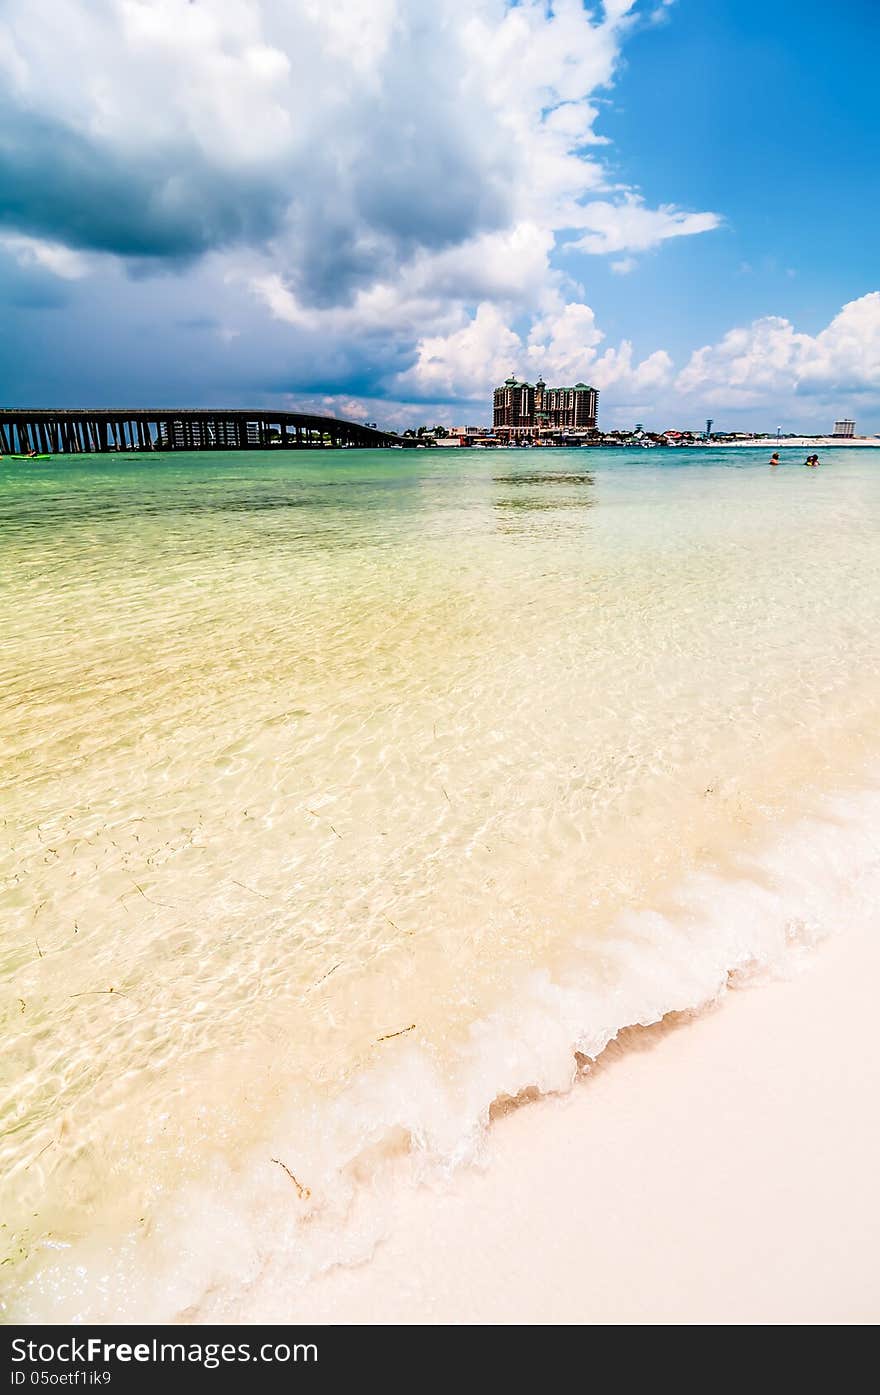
<point x="25" y="457"/>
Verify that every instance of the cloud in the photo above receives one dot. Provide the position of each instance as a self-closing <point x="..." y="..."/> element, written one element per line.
<point x="54" y="257"/>
<point x="343" y="148"/>
<point x="660" y="14"/>
<point x="770" y="359"/>
<point x="565" y="347"/>
<point x="164" y="128"/>
<point x="387" y="187"/>
<point x="760" y="369"/>
<point x="562" y="346"/>
<point x="396" y="415"/>
<point x="628" y="226"/>
<point x="468" y="361"/>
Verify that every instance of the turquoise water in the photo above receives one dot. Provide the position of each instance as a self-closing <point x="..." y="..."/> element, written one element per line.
<point x="312" y="761"/>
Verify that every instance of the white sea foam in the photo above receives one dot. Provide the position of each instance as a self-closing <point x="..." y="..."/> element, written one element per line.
<point x="245" y="1230"/>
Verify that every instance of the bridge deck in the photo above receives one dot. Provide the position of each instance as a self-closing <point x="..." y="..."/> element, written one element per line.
<point x="85" y="430"/>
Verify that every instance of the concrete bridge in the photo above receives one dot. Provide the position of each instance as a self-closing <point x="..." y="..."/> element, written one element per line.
<point x="84" y="431"/>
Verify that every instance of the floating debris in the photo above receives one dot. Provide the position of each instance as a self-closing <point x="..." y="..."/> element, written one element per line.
<point x="321" y="816"/>
<point x="302" y="1192"/>
<point x="402" y="1033"/>
<point x="251" y="889"/>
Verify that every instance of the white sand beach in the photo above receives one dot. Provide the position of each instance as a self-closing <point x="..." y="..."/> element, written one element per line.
<point x="802" y="442"/>
<point x="719" y="1169"/>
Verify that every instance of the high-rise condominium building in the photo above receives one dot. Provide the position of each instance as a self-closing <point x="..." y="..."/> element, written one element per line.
<point x="522" y="409"/>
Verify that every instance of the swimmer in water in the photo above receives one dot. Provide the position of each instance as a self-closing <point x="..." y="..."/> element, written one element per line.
<point x="774" y="459"/>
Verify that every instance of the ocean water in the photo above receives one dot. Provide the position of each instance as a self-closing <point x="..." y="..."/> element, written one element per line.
<point x="347" y="794"/>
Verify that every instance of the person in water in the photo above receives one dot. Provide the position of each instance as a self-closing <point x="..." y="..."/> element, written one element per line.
<point x="812" y="460"/>
<point x="774" y="459"/>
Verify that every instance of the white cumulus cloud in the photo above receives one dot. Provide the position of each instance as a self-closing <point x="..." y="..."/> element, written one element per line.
<point x="562" y="346"/>
<point x="629" y="226"/>
<point x="466" y="362"/>
<point x="769" y="359"/>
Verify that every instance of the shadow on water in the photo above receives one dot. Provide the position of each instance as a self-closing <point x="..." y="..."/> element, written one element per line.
<point x="543" y="477"/>
<point x="321" y="495"/>
<point x="538" y="502"/>
<point x="51" y="507"/>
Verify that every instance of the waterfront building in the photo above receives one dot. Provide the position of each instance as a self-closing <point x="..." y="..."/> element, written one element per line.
<point x="524" y="409"/>
<point x="845" y="427"/>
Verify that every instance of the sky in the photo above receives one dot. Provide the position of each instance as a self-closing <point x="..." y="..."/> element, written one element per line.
<point x="382" y="208"/>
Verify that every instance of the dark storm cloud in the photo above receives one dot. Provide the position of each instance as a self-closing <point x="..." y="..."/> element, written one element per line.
<point x="342" y="162"/>
<point x="55" y="183"/>
<point x="116" y="340"/>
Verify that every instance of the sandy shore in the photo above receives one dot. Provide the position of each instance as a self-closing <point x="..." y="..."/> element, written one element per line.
<point x="718" y="1169"/>
<point x="805" y="442"/>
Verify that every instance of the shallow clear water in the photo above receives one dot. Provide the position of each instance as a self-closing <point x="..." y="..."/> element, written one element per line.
<point x="308" y="759"/>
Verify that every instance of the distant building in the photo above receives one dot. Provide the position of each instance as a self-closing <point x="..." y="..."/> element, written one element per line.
<point x="521" y="409"/>
<point x="845" y="427"/>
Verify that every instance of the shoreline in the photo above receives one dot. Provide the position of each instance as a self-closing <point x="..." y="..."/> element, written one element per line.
<point x="639" y="858"/>
<point x="714" y="1169"/>
<point x="708" y="1153"/>
<point x="793" y="443"/>
<point x="716" y="1164"/>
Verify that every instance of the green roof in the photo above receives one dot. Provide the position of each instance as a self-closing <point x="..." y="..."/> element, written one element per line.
<point x="512" y="382"/>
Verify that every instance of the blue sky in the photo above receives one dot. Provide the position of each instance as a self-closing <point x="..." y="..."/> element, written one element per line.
<point x="382" y="209"/>
<point x="768" y="113"/>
